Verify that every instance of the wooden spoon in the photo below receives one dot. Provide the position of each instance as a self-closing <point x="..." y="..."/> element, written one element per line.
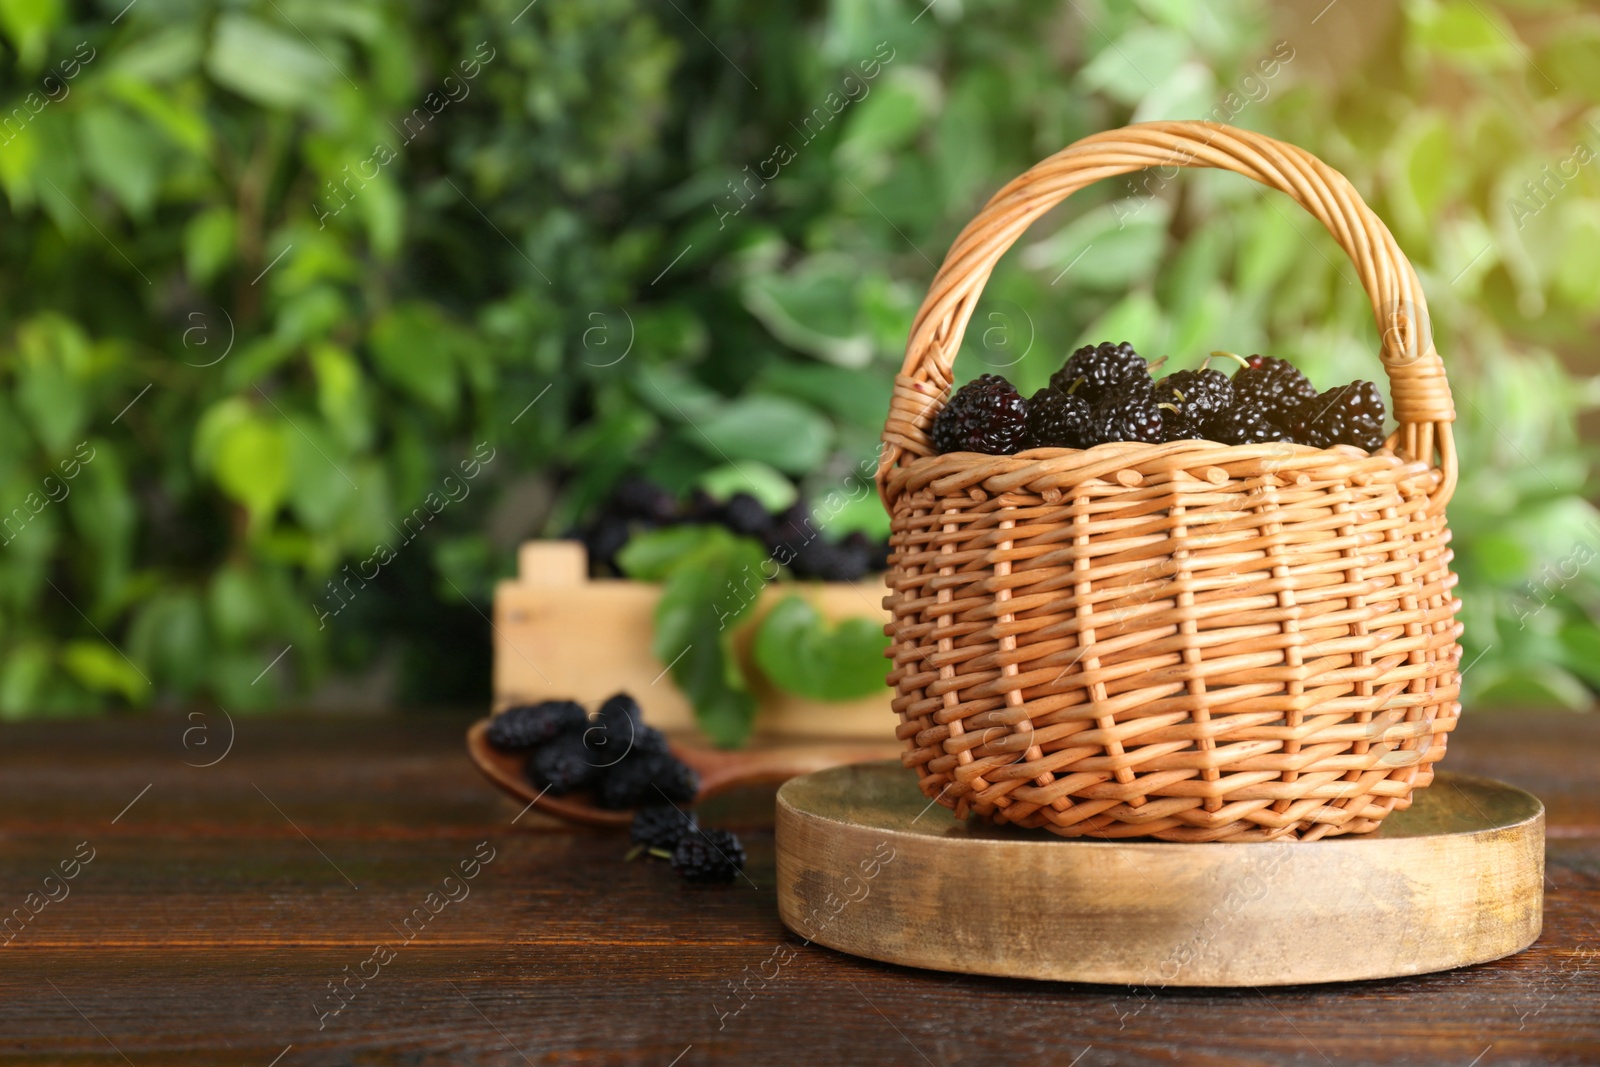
<point x="719" y="771"/>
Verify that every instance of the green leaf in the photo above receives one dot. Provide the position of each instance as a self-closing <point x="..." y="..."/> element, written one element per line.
<point x="101" y="669"/>
<point x="183" y="123"/>
<point x="319" y="487"/>
<point x="784" y="433"/>
<point x="251" y="465"/>
<point x="843" y="512"/>
<point x="889" y="115"/>
<point x="411" y="348"/>
<point x="774" y="490"/>
<point x="466" y="564"/>
<point x="383" y="211"/>
<point x="1569" y="59"/>
<point x="208" y="243"/>
<point x="1422" y="169"/>
<point x="675" y="330"/>
<point x="813" y="308"/>
<point x="851" y="396"/>
<point x="1193" y="272"/>
<point x="231" y="675"/>
<point x="53" y="365"/>
<point x="19" y="164"/>
<point x="120" y="152"/>
<point x="27" y="24"/>
<point x="966" y="141"/>
<point x="706" y="593"/>
<point x="265" y="65"/>
<point x="652" y="556"/>
<point x="1463" y="31"/>
<point x="1192" y="325"/>
<point x="1126" y="68"/>
<point x="342" y="395"/>
<point x="674" y="394"/>
<point x="170" y="637"/>
<point x="167" y="55"/>
<point x="802" y="653"/>
<point x="1268" y="248"/>
<point x="1578" y="276"/>
<point x="57" y="178"/>
<point x="237" y="607"/>
<point x="311" y="314"/>
<point x="25" y="675"/>
<point x="725" y="710"/>
<point x="30" y="531"/>
<point x="1532" y="687"/>
<point x="1110" y="247"/>
<point x="1499" y="557"/>
<point x="213" y="424"/>
<point x="1428" y="166"/>
<point x="104" y="515"/>
<point x="1136" y="318"/>
<point x="1580" y="650"/>
<point x="677" y="462"/>
<point x="1188" y="91"/>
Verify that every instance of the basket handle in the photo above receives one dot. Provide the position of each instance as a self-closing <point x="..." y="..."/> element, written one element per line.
<point x="1417" y="385"/>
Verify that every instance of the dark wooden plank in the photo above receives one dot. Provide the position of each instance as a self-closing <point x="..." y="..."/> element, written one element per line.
<point x="207" y="927"/>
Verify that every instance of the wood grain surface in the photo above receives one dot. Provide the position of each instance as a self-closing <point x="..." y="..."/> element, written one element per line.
<point x="219" y="906"/>
<point x="866" y="864"/>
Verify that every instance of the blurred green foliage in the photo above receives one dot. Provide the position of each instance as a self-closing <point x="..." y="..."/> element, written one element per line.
<point x="282" y="267"/>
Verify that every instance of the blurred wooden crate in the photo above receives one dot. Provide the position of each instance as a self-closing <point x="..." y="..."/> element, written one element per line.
<point x="558" y="633"/>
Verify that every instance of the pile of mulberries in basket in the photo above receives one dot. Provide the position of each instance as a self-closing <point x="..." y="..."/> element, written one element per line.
<point x="621" y="764"/>
<point x="1106" y="393"/>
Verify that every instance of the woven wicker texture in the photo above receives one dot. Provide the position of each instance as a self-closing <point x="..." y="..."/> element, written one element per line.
<point x="1189" y="641"/>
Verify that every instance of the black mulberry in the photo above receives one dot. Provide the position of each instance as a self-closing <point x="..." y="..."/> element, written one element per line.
<point x="1243" y="424"/>
<point x="563" y="765"/>
<point x="1100" y="367"/>
<point x="647" y="778"/>
<point x="639" y="498"/>
<point x="611" y="745"/>
<point x="744" y="514"/>
<point x="1197" y="394"/>
<point x="1176" y="426"/>
<point x="1274" y="387"/>
<point x="878" y="556"/>
<point x="662" y="826"/>
<point x="526" y="726"/>
<point x="603" y="539"/>
<point x="1128" y="412"/>
<point x="1344" y="415"/>
<point x="709" y="856"/>
<point x="1057" y="420"/>
<point x="985" y="415"/>
<point x="618" y="729"/>
<point x="839" y="561"/>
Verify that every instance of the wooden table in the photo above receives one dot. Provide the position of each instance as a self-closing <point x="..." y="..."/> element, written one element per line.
<point x="219" y="906"/>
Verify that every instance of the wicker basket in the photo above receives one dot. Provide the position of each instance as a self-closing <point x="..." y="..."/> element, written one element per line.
<point x="1188" y="641"/>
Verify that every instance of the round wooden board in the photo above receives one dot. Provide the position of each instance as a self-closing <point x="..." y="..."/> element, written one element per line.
<point x="867" y="865"/>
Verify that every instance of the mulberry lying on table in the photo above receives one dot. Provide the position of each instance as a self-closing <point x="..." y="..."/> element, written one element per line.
<point x="662" y="826"/>
<point x="708" y="856"/>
